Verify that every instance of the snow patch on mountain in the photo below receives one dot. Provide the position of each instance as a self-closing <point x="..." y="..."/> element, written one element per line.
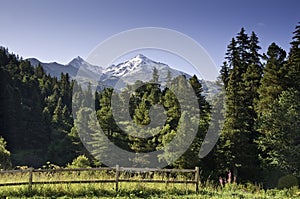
<point x="118" y="76"/>
<point x="139" y="67"/>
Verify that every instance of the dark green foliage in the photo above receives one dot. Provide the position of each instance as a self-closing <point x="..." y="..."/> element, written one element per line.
<point x="146" y="98"/>
<point x="280" y="132"/>
<point x="5" y="162"/>
<point x="294" y="55"/>
<point x="237" y="150"/>
<point x="35" y="113"/>
<point x="287" y="182"/>
<point x="260" y="116"/>
<point x="293" y="63"/>
<point x="273" y="82"/>
<point x="279" y="111"/>
<point x="258" y="121"/>
<point x="224" y="74"/>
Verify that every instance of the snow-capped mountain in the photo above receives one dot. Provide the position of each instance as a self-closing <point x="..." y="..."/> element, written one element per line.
<point x="138" y="68"/>
<point x="118" y="76"/>
<point x="138" y="63"/>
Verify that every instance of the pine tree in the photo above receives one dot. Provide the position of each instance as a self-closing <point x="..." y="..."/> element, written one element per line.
<point x="171" y="104"/>
<point x="35" y="113"/>
<point x="190" y="158"/>
<point x="168" y="79"/>
<point x="155" y="75"/>
<point x="224" y="74"/>
<point x="295" y="52"/>
<point x="293" y="64"/>
<point x="280" y="129"/>
<point x="243" y="48"/>
<point x="252" y="78"/>
<point x="232" y="54"/>
<point x="273" y="82"/>
<point x="278" y="110"/>
<point x="236" y="147"/>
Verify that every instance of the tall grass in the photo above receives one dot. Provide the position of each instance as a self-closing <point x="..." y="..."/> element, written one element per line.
<point x="130" y="189"/>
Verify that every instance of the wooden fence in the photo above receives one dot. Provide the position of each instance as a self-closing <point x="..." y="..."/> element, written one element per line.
<point x="118" y="170"/>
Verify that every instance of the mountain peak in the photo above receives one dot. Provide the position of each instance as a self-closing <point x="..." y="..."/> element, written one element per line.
<point x="140" y="58"/>
<point x="76" y="62"/>
<point x="79" y="58"/>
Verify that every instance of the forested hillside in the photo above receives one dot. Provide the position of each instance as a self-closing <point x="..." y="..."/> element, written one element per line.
<point x="36" y="118"/>
<point x="259" y="140"/>
<point x="38" y="123"/>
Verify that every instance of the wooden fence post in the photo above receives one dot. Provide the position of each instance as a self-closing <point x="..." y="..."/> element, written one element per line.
<point x="30" y="179"/>
<point x="197" y="178"/>
<point x="117" y="177"/>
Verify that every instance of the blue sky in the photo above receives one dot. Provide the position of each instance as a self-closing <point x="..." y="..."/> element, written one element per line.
<point x="59" y="30"/>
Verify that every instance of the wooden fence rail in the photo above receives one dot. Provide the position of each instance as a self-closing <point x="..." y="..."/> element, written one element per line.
<point x="118" y="170"/>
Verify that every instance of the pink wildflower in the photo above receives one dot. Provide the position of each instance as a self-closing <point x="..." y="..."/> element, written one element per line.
<point x="221" y="181"/>
<point x="229" y="177"/>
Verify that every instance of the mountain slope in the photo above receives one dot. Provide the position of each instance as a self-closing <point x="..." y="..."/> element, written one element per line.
<point x="55" y="69"/>
<point x="118" y="76"/>
<point x="138" y="68"/>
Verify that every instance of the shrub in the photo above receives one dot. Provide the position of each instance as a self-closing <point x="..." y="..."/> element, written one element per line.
<point x="80" y="162"/>
<point x="287" y="181"/>
<point x="5" y="162"/>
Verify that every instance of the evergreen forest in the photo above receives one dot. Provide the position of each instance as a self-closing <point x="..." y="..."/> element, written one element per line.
<point x="258" y="119"/>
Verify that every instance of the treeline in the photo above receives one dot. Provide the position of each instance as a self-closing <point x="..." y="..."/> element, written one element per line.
<point x="35" y="113"/>
<point x="259" y="123"/>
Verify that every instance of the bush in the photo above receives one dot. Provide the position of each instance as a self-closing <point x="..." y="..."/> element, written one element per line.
<point x="5" y="162"/>
<point x="80" y="162"/>
<point x="287" y="181"/>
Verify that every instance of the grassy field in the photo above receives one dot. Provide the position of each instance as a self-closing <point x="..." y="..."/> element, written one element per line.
<point x="129" y="190"/>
